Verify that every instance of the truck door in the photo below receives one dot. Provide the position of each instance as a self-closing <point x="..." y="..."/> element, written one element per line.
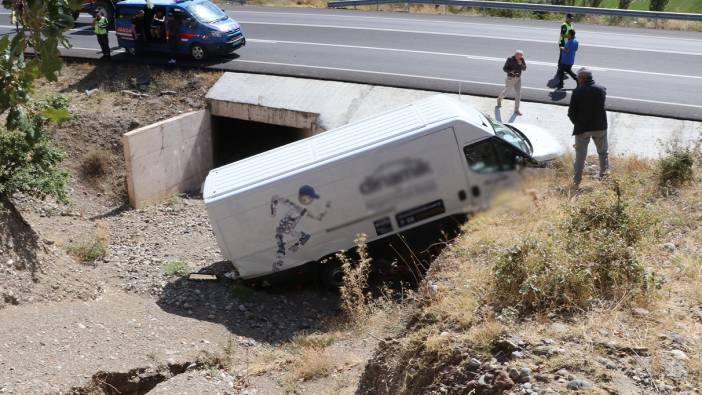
<point x="491" y="167"/>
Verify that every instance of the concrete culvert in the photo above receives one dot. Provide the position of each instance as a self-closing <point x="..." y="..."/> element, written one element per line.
<point x="236" y="139"/>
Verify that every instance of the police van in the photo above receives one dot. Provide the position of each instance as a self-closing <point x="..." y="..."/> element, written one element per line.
<point x="203" y="28"/>
<point x="406" y="179"/>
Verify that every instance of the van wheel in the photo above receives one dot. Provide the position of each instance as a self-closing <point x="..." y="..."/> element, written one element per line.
<point x="198" y="52"/>
<point x="131" y="51"/>
<point x="331" y="275"/>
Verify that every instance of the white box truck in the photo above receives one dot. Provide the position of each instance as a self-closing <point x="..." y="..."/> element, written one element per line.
<point x="405" y="178"/>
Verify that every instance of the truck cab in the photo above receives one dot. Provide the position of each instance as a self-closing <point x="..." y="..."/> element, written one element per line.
<point x="203" y="29"/>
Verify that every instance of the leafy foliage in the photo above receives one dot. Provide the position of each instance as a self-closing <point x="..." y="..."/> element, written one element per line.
<point x="174" y="268"/>
<point x="89" y="251"/>
<point x="624" y="4"/>
<point x="676" y="168"/>
<point x="590" y="257"/>
<point x="658" y="5"/>
<point x="28" y="159"/>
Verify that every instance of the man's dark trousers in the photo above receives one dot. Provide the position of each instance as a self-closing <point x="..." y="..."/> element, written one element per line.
<point x="104" y="45"/>
<point x="562" y="70"/>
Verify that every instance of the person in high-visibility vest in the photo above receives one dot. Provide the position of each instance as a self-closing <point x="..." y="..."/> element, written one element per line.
<point x="566" y="27"/>
<point x="15" y="20"/>
<point x="100" y="23"/>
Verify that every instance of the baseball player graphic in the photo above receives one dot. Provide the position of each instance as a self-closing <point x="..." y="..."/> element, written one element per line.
<point x="293" y="216"/>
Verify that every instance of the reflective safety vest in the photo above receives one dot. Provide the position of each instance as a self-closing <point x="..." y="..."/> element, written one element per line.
<point x="101" y="25"/>
<point x="14" y="17"/>
<point x="564" y="32"/>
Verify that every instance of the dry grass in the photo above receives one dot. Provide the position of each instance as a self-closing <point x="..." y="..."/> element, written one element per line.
<point x="97" y="164"/>
<point x="597" y="256"/>
<point x="317" y="340"/>
<point x="312" y="363"/>
<point x="354" y="291"/>
<point x="91" y="250"/>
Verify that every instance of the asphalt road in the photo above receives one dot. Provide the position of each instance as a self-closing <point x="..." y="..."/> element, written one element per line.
<point x="645" y="71"/>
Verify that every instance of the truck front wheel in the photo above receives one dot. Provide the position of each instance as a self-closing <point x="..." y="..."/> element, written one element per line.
<point x="331" y="274"/>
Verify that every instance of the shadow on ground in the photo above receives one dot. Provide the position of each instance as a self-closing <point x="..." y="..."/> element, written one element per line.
<point x="271" y="315"/>
<point x="19" y="238"/>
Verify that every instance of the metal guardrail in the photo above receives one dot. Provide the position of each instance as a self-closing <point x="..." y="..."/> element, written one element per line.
<point x="528" y="7"/>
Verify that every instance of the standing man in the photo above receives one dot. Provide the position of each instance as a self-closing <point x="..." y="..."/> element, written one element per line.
<point x="100" y="23"/>
<point x="514" y="66"/>
<point x="567" y="59"/>
<point x="587" y="112"/>
<point x="566" y="27"/>
<point x="138" y="31"/>
<point x="172" y="26"/>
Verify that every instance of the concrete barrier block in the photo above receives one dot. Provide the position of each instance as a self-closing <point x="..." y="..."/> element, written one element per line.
<point x="168" y="157"/>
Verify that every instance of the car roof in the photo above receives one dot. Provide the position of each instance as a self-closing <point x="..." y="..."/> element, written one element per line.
<point x="401" y="123"/>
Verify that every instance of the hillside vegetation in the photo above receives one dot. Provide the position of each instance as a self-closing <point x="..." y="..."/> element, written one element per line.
<point x="694" y="6"/>
<point x="550" y="291"/>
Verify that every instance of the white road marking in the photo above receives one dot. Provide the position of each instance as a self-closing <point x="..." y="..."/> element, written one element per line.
<point x="446" y="79"/>
<point x="472" y="57"/>
<point x="504" y="37"/>
<point x="120" y="50"/>
<point x="75" y="29"/>
<point x="444" y="22"/>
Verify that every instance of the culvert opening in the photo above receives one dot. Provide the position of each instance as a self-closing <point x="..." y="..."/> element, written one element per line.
<point x="236" y="139"/>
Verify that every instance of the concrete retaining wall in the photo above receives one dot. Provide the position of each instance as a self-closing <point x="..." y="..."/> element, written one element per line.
<point x="168" y="157"/>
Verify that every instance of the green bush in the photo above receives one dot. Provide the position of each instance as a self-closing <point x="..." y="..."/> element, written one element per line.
<point x="588" y="257"/>
<point x="658" y="5"/>
<point x="174" y="268"/>
<point x="676" y="168"/>
<point x="89" y="251"/>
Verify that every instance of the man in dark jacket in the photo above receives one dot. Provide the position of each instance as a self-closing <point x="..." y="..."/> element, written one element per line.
<point x="513" y="67"/>
<point x="587" y="112"/>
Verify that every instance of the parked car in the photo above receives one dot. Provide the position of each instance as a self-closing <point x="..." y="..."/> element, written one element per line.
<point x="204" y="29"/>
<point x="406" y="178"/>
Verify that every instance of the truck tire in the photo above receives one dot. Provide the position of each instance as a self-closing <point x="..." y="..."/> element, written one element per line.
<point x="330" y="274"/>
<point x="107" y="9"/>
<point x="198" y="52"/>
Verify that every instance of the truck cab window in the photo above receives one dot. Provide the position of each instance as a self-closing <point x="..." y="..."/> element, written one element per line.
<point x="491" y="155"/>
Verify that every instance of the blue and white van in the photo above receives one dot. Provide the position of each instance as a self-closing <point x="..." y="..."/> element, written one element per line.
<point x="203" y="28"/>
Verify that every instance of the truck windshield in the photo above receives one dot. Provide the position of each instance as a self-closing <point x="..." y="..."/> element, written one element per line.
<point x="511" y="136"/>
<point x="206" y="12"/>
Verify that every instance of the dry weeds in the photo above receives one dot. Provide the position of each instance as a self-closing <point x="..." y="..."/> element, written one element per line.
<point x="645" y="290"/>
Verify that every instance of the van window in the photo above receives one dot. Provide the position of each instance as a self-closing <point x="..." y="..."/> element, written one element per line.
<point x="491" y="155"/>
<point x="509" y="135"/>
<point x="206" y="12"/>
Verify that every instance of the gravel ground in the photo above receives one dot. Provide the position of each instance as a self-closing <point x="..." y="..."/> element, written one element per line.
<point x="123" y="322"/>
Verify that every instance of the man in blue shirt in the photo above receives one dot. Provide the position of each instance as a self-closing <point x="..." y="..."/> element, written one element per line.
<point x="568" y="51"/>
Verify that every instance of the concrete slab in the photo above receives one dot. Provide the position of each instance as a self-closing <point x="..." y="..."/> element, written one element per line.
<point x="248" y="96"/>
<point x="168" y="157"/>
